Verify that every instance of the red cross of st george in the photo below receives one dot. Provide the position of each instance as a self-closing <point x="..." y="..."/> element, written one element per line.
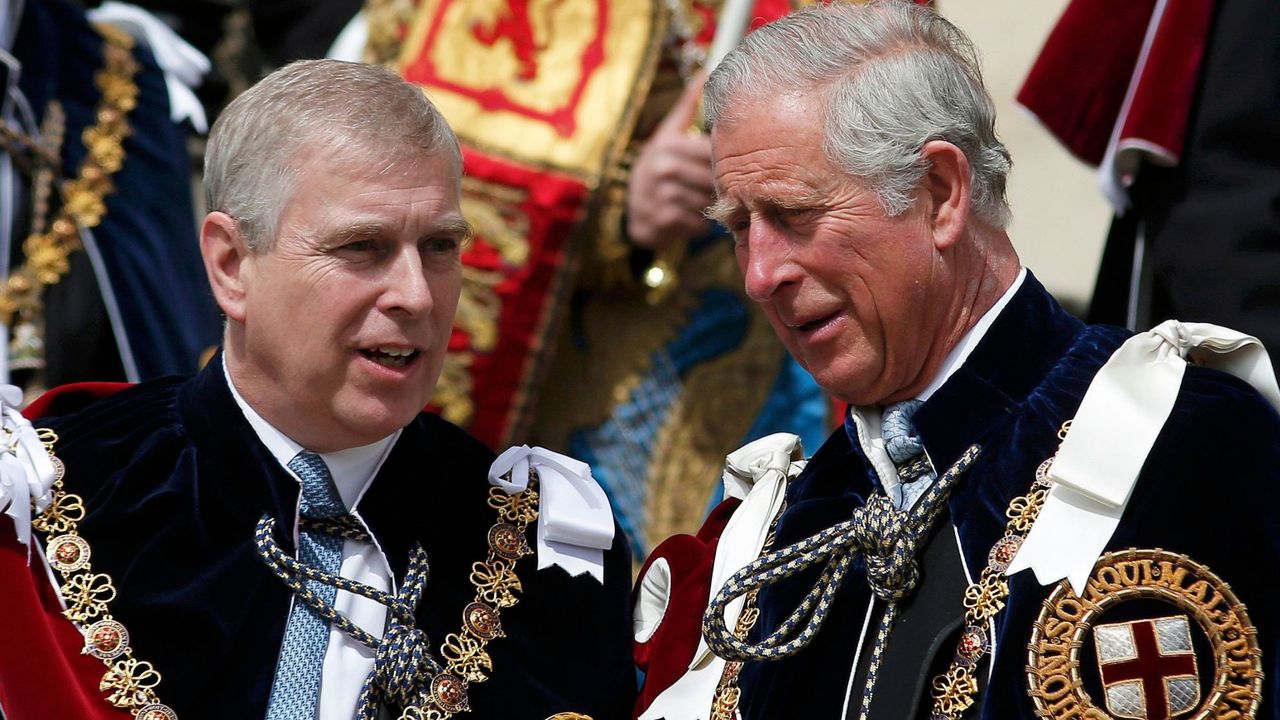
<point x="1152" y="667"/>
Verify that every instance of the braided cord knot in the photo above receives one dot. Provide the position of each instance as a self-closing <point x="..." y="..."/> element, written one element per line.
<point x="404" y="666"/>
<point x="888" y="548"/>
<point x="885" y="537"/>
<point x="402" y="672"/>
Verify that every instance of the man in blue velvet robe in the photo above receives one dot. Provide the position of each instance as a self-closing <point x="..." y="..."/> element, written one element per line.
<point x="856" y="164"/>
<point x="333" y="250"/>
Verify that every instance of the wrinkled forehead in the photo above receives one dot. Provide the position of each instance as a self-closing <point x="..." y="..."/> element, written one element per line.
<point x="371" y="159"/>
<point x="375" y="154"/>
<point x="752" y="109"/>
<point x="772" y="135"/>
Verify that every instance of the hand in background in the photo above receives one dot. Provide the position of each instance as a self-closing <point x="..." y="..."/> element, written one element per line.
<point x="671" y="179"/>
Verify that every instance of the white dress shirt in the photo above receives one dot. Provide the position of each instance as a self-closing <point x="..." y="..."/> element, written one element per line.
<point x="867" y="420"/>
<point x="346" y="662"/>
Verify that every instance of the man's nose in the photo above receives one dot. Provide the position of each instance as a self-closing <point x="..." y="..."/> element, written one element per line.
<point x="766" y="261"/>
<point x="407" y="288"/>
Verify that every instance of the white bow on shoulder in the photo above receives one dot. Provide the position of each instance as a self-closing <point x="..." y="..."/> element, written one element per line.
<point x="575" y="524"/>
<point x="26" y="472"/>
<point x="757" y="474"/>
<point x="1112" y="433"/>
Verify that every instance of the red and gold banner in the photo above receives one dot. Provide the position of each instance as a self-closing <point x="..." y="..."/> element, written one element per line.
<point x="549" y="84"/>
<point x="543" y="96"/>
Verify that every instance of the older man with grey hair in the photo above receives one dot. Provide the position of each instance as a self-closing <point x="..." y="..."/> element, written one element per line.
<point x="857" y="165"/>
<point x="287" y="535"/>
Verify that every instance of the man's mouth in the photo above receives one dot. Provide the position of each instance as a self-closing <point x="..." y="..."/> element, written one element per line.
<point x="814" y="324"/>
<point x="391" y="357"/>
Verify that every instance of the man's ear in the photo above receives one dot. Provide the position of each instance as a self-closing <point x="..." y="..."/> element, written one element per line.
<point x="224" y="251"/>
<point x="947" y="188"/>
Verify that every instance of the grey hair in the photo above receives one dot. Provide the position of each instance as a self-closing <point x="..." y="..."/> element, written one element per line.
<point x="893" y="76"/>
<point x="352" y="111"/>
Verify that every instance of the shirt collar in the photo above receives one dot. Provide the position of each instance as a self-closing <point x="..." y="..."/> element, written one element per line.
<point x="970" y="339"/>
<point x="352" y="469"/>
<point x="865" y="429"/>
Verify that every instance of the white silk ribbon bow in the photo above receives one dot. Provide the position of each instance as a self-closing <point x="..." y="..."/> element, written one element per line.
<point x="1112" y="433"/>
<point x="757" y="474"/>
<point x="575" y="523"/>
<point x="26" y="472"/>
<point x="184" y="66"/>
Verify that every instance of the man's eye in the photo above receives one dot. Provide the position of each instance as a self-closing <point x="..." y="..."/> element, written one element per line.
<point x="359" y="246"/>
<point x="797" y="214"/>
<point x="739" y="230"/>
<point x="737" y="225"/>
<point x="442" y="245"/>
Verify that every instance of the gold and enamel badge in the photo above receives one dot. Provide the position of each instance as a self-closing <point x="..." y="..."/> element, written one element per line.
<point x="1128" y="648"/>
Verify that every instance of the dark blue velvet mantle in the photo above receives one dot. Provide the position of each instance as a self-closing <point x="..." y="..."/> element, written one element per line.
<point x="1208" y="490"/>
<point x="175" y="479"/>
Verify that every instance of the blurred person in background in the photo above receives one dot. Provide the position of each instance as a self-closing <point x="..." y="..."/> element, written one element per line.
<point x="1175" y="105"/>
<point x="98" y="251"/>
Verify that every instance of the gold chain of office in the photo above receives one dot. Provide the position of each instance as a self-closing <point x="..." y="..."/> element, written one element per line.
<point x="83" y="198"/>
<point x="956" y="690"/>
<point x="129" y="682"/>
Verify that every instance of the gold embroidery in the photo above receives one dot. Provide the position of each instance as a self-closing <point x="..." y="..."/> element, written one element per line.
<point x="529" y="52"/>
<point x="720" y="401"/>
<point x="479" y="305"/>
<point x="541" y="83"/>
<point x="386" y="20"/>
<point x="604" y="370"/>
<point x="493" y="210"/>
<point x="1055" y="683"/>
<point x="453" y="391"/>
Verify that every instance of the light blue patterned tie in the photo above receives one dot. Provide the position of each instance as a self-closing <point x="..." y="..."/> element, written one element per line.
<point x="915" y="473"/>
<point x="295" y="695"/>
